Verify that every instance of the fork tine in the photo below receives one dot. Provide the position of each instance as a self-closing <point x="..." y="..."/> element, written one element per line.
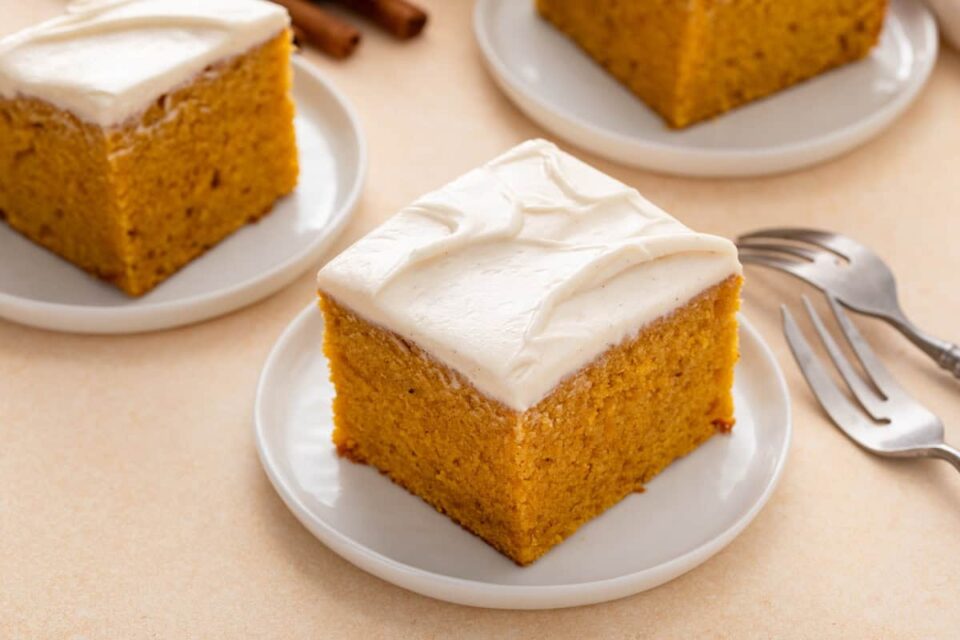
<point x="841" y="411"/>
<point x="792" y="267"/>
<point x="866" y="396"/>
<point x="789" y="249"/>
<point x="835" y="242"/>
<point x="886" y="383"/>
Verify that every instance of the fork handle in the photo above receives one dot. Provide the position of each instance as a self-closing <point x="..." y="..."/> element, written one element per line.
<point x="944" y="353"/>
<point x="949" y="359"/>
<point x="946" y="452"/>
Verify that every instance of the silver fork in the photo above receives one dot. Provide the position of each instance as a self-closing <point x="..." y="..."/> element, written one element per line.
<point x="889" y="422"/>
<point x="847" y="270"/>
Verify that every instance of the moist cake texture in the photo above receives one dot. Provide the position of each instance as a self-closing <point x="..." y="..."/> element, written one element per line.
<point x="693" y="60"/>
<point x="528" y="345"/>
<point x="136" y="134"/>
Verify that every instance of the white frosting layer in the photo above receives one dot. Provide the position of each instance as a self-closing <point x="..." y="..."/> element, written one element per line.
<point x="108" y="60"/>
<point x="523" y="271"/>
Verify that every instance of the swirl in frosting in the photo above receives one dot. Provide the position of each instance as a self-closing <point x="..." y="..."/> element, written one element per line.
<point x="523" y="271"/>
<point x="106" y="61"/>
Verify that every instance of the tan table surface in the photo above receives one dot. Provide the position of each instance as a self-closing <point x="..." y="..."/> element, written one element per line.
<point x="132" y="503"/>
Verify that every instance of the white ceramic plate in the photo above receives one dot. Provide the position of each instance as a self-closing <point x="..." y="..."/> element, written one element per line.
<point x="560" y="87"/>
<point x="688" y="513"/>
<point x="40" y="289"/>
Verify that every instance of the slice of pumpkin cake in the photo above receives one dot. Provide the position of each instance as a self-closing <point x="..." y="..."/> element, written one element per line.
<point x="528" y="345"/>
<point x="696" y="59"/>
<point x="136" y="134"/>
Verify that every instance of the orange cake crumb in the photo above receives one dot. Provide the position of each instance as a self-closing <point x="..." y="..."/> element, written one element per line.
<point x="694" y="60"/>
<point x="134" y="203"/>
<point x="524" y="481"/>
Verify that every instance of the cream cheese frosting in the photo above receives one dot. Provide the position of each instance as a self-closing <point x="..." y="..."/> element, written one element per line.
<point x="523" y="271"/>
<point x="108" y="60"/>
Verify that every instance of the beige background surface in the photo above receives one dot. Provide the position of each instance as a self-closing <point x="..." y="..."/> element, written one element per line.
<point x="132" y="503"/>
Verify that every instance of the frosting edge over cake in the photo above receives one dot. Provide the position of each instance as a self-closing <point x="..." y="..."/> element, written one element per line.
<point x="105" y="61"/>
<point x="523" y="271"/>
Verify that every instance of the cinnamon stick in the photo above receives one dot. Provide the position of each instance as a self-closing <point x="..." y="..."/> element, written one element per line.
<point x="399" y="17"/>
<point x="325" y="31"/>
<point x="300" y="38"/>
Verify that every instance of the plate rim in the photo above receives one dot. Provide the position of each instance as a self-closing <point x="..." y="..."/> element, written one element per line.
<point x="484" y="594"/>
<point x="701" y="162"/>
<point x="84" y="319"/>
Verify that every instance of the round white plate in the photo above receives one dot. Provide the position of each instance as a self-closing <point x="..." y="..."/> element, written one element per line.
<point x="40" y="289"/>
<point x="688" y="513"/>
<point x="560" y="87"/>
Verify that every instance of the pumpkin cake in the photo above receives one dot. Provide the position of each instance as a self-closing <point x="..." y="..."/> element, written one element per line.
<point x="693" y="60"/>
<point x="528" y="345"/>
<point x="136" y="134"/>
